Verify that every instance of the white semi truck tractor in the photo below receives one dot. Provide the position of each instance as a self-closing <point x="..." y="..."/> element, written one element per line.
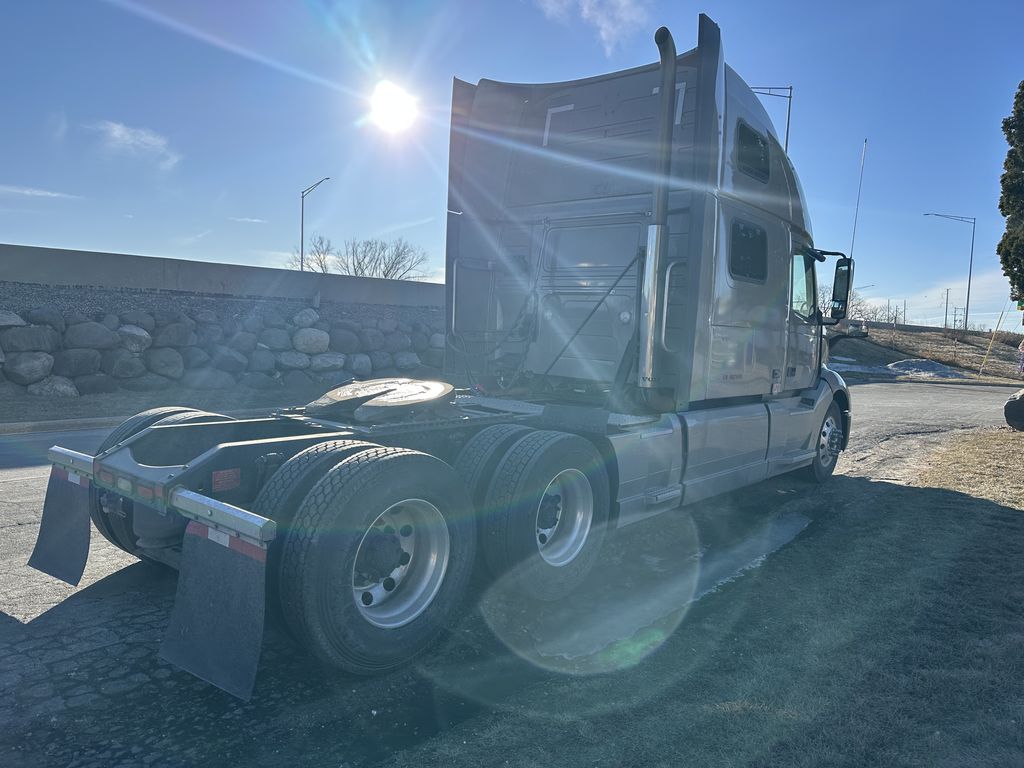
<point x="631" y="308"/>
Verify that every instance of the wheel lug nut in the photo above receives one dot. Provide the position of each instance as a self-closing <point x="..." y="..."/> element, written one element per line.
<point x="389" y="584"/>
<point x="405" y="558"/>
<point x="543" y="538"/>
<point x="405" y="530"/>
<point x="367" y="598"/>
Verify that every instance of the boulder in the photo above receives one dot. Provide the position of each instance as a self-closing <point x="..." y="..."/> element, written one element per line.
<point x="168" y="316"/>
<point x="90" y="335"/>
<point x="433" y="357"/>
<point x="74" y="317"/>
<point x="406" y="361"/>
<point x="359" y="364"/>
<point x="1013" y="410"/>
<point x="95" y="384"/>
<point x="177" y="334"/>
<point x="276" y="339"/>
<point x="111" y="321"/>
<point x="243" y="341"/>
<point x="405" y="327"/>
<point x="311" y="340"/>
<point x="292" y="360"/>
<point x="305" y="317"/>
<point x="296" y="379"/>
<point x="29" y="338"/>
<point x="420" y="327"/>
<point x="327" y="361"/>
<point x="137" y="317"/>
<point x="420" y="341"/>
<point x="380" y="359"/>
<point x="347" y="325"/>
<point x="273" y="319"/>
<point x="165" y="361"/>
<point x="208" y="378"/>
<point x="389" y="373"/>
<point x="9" y="319"/>
<point x="227" y="359"/>
<point x="252" y="324"/>
<point x="135" y="338"/>
<point x="53" y="386"/>
<point x="259" y="380"/>
<point x="437" y="341"/>
<point x="47" y="315"/>
<point x="344" y="340"/>
<point x="371" y="339"/>
<point x="147" y="382"/>
<point x="76" y="362"/>
<point x="321" y="325"/>
<point x="194" y="357"/>
<point x="207" y="316"/>
<point x="369" y="324"/>
<point x="332" y="379"/>
<point x="261" y="361"/>
<point x="122" y="364"/>
<point x="28" y="367"/>
<point x="387" y="325"/>
<point x="397" y="342"/>
<point x="207" y="335"/>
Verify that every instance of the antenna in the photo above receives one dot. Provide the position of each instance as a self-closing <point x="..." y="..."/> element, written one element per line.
<point x="860" y="184"/>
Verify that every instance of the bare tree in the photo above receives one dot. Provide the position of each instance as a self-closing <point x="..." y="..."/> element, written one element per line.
<point x="857" y="309"/>
<point x="393" y="260"/>
<point x="320" y="256"/>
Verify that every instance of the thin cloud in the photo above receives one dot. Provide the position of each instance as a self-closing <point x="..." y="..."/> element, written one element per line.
<point x="613" y="20"/>
<point x="6" y="189"/>
<point x="137" y="142"/>
<point x="193" y="239"/>
<point x="247" y="220"/>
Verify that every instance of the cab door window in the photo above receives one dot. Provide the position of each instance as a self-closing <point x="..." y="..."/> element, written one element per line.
<point x="802" y="293"/>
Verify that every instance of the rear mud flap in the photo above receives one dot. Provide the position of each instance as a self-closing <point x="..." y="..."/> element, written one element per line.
<point x="216" y="628"/>
<point x="63" y="543"/>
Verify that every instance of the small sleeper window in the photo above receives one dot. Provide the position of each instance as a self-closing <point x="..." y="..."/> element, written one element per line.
<point x="748" y="251"/>
<point x="752" y="150"/>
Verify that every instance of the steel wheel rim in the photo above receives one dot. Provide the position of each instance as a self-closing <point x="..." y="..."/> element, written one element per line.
<point x="828" y="430"/>
<point x="570" y="491"/>
<point x="413" y="536"/>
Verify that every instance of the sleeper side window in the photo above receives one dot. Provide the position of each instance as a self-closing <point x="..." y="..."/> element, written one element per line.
<point x="748" y="251"/>
<point x="752" y="152"/>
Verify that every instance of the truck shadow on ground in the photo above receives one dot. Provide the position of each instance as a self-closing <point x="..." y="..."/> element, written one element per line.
<point x="754" y="597"/>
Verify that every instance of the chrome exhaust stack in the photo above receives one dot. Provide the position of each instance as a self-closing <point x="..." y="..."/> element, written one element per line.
<point x="657" y="230"/>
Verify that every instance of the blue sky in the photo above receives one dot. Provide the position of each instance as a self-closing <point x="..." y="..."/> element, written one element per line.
<point x="188" y="128"/>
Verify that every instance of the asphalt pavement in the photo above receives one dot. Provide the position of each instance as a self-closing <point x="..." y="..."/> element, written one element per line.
<point x="81" y="683"/>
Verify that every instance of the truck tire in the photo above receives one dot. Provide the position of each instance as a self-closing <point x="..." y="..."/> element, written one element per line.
<point x="378" y="559"/>
<point x="115" y="529"/>
<point x="479" y="457"/>
<point x="280" y="498"/>
<point x="547" y="510"/>
<point x="825" y="460"/>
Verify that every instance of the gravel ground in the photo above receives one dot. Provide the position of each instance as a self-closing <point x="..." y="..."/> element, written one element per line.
<point x="865" y="622"/>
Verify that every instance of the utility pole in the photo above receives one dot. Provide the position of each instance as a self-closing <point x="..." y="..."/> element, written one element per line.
<point x="302" y="222"/>
<point x="904" y="311"/>
<point x="945" y="317"/>
<point x="970" y="265"/>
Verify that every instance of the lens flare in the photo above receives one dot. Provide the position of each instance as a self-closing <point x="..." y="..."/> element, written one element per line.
<point x="391" y="108"/>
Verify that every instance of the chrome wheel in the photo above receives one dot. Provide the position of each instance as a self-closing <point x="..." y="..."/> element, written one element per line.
<point x="400" y="563"/>
<point x="829" y="441"/>
<point x="564" y="517"/>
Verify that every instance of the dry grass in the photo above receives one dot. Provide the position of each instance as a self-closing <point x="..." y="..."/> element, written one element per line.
<point x="988" y="464"/>
<point x="967" y="352"/>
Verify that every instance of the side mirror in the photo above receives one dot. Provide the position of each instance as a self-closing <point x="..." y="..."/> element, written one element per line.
<point x="841" y="289"/>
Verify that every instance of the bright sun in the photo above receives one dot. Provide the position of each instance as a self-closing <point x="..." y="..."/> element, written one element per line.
<point x="392" y="108"/>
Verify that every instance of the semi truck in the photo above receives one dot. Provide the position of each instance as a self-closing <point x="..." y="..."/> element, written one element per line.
<point x="631" y="319"/>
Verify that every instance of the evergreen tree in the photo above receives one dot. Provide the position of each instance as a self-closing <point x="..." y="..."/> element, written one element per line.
<point x="1011" y="201"/>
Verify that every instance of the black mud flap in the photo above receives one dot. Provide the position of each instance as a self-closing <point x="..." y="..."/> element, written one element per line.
<point x="63" y="543"/>
<point x="216" y="628"/>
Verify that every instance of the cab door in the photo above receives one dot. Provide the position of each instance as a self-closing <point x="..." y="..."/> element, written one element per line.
<point x="802" y="348"/>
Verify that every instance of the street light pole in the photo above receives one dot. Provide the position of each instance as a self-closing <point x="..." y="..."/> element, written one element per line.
<point x="970" y="265"/>
<point x="302" y="222"/>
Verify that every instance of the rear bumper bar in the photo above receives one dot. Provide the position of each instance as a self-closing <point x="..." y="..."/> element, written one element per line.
<point x="194" y="506"/>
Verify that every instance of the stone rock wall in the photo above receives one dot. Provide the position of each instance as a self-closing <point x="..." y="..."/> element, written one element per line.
<point x="67" y="348"/>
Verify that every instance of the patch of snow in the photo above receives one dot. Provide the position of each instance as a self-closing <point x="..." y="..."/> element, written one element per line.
<point x="843" y="359"/>
<point x="922" y="367"/>
<point x="873" y="370"/>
